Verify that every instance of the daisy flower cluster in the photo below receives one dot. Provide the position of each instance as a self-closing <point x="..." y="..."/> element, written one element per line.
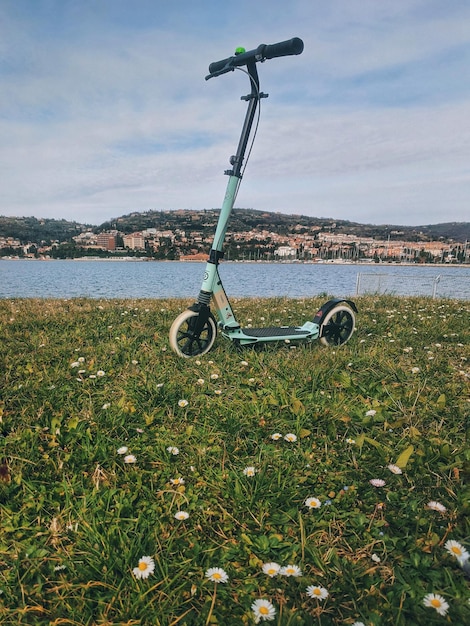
<point x="289" y="437"/>
<point x="79" y="363"/>
<point x="274" y="569"/>
<point x="127" y="457"/>
<point x="264" y="610"/>
<point x="435" y="600"/>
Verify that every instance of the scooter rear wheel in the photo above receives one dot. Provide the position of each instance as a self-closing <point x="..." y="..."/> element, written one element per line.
<point x="188" y="343"/>
<point x="337" y="326"/>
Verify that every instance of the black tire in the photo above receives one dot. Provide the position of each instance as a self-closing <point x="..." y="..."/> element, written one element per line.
<point x="337" y="326"/>
<point x="185" y="342"/>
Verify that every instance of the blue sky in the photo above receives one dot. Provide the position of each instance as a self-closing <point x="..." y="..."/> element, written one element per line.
<point x="104" y="108"/>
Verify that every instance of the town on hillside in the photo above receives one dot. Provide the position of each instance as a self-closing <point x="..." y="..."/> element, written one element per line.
<point x="254" y="236"/>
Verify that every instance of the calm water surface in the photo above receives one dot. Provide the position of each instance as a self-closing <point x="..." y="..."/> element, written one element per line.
<point x="175" y="279"/>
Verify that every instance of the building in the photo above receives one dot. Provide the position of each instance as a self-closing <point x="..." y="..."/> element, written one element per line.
<point x="286" y="252"/>
<point x="134" y="241"/>
<point x="106" y="241"/>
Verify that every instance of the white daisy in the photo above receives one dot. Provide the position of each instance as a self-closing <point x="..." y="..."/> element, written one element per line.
<point x="217" y="575"/>
<point x="312" y="503"/>
<point x="350" y="441"/>
<point x="182" y="403"/>
<point x="320" y="593"/>
<point x="145" y="568"/>
<point x="177" y="481"/>
<point x="290" y="570"/>
<point x="123" y="450"/>
<point x="271" y="569"/>
<point x="456" y="549"/>
<point x="394" y="469"/>
<point x="371" y="412"/>
<point x="181" y="515"/>
<point x="263" y="610"/>
<point x="377" y="482"/>
<point x="130" y="458"/>
<point x="436" y="506"/>
<point x="173" y="450"/>
<point x="249" y="471"/>
<point x="437" y="602"/>
<point x="276" y="436"/>
<point x="100" y="373"/>
<point x="290" y="437"/>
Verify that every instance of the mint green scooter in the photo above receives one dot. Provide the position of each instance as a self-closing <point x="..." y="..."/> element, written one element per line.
<point x="194" y="331"/>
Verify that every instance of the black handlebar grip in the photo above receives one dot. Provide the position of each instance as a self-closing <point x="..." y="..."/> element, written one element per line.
<point x="284" y="48"/>
<point x="216" y="66"/>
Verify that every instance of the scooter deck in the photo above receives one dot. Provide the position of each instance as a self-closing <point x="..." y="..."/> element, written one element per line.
<point x="275" y="331"/>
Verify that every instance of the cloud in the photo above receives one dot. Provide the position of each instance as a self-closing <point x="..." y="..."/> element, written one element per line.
<point x="105" y="113"/>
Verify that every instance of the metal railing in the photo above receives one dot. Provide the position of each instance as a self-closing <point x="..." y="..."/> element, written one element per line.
<point x="440" y="285"/>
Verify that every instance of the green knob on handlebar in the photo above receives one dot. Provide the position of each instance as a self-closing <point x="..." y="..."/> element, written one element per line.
<point x="240" y="50"/>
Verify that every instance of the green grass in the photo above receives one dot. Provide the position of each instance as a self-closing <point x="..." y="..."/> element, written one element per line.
<point x="75" y="519"/>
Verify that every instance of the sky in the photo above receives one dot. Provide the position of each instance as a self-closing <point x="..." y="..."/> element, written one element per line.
<point x="105" y="110"/>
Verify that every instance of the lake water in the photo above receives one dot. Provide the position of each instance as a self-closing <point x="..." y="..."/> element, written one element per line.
<point x="175" y="279"/>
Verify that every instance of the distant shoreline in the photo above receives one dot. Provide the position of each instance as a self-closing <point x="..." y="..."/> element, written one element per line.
<point x="258" y="262"/>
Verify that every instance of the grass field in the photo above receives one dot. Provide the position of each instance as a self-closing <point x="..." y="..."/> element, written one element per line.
<point x="113" y="449"/>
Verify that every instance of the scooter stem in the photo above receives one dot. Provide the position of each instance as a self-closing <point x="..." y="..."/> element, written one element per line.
<point x="235" y="174"/>
<point x="253" y="98"/>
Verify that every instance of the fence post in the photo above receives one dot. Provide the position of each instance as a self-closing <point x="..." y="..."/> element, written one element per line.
<point x="434" y="286"/>
<point x="358" y="283"/>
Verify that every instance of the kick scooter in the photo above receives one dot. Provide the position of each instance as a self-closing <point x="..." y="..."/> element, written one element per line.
<point x="194" y="331"/>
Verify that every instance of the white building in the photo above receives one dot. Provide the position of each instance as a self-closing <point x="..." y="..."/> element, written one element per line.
<point x="285" y="252"/>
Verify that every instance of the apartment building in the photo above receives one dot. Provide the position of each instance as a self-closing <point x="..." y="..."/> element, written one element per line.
<point x="107" y="241"/>
<point x="134" y="241"/>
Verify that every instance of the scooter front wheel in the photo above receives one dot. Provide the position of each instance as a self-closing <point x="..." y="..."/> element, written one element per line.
<point x="337" y="326"/>
<point x="186" y="340"/>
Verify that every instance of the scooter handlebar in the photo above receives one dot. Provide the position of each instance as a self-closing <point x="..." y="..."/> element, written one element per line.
<point x="261" y="53"/>
<point x="284" y="48"/>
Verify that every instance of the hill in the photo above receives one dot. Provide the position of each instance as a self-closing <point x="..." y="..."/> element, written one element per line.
<point x="32" y="229"/>
<point x="46" y="230"/>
